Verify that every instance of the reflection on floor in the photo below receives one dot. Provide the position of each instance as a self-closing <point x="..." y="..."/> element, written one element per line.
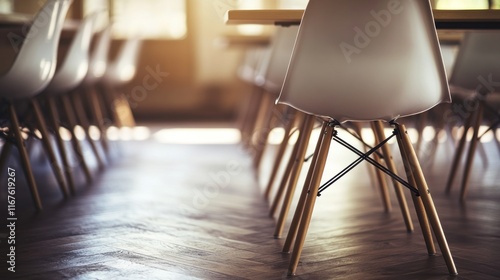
<point x="177" y="211"/>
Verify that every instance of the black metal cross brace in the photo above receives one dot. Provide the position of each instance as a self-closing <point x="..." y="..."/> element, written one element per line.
<point x="365" y="156"/>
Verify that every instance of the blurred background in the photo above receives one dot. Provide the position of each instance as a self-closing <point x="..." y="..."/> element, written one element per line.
<point x="188" y="40"/>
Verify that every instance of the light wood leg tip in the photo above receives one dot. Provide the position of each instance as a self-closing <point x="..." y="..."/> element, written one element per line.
<point x="277" y="236"/>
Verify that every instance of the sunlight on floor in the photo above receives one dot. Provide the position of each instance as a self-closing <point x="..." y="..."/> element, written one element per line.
<point x="198" y="136"/>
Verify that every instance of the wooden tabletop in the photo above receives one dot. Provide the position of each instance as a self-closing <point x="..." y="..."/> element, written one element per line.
<point x="445" y="19"/>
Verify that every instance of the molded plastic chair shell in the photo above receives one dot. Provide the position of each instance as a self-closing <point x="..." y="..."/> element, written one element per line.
<point x="247" y="71"/>
<point x="366" y="60"/>
<point x="76" y="64"/>
<point x="99" y="58"/>
<point x="272" y="74"/>
<point x="477" y="66"/>
<point x="35" y="64"/>
<point x="449" y="53"/>
<point x="123" y="69"/>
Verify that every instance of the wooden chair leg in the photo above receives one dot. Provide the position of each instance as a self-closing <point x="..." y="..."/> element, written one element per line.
<point x="497" y="138"/>
<point x="482" y="153"/>
<point x="458" y="154"/>
<point x="122" y="110"/>
<point x="262" y="134"/>
<point x="279" y="156"/>
<point x="384" y="192"/>
<point x="417" y="203"/>
<point x="299" y="210"/>
<point x="48" y="147"/>
<point x="250" y="115"/>
<point x="423" y="222"/>
<point x="24" y="157"/>
<point x="472" y="149"/>
<point x="326" y="136"/>
<point x="68" y="110"/>
<point x="290" y="180"/>
<point x="96" y="109"/>
<point x="256" y="117"/>
<point x="83" y="120"/>
<point x="430" y="209"/>
<point x="378" y="129"/>
<point x="420" y="126"/>
<point x="439" y="128"/>
<point x="68" y="170"/>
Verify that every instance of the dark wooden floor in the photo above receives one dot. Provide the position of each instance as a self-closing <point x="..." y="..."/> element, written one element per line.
<point x="164" y="211"/>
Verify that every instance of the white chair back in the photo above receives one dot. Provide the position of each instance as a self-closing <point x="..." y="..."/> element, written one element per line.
<point x="124" y="68"/>
<point x="272" y="73"/>
<point x="365" y="60"/>
<point x="76" y="63"/>
<point x="477" y="66"/>
<point x="35" y="64"/>
<point x="99" y="57"/>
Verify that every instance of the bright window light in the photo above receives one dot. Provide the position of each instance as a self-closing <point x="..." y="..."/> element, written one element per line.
<point x="293" y="4"/>
<point x="250" y="29"/>
<point x="429" y="133"/>
<point x="100" y="7"/>
<point x="488" y="137"/>
<point x="276" y="136"/>
<point x="462" y="4"/>
<point x="156" y="19"/>
<point x="6" y="6"/>
<point x="198" y="136"/>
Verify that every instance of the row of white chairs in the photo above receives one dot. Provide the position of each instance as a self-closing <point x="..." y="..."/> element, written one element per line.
<point x="398" y="75"/>
<point x="71" y="86"/>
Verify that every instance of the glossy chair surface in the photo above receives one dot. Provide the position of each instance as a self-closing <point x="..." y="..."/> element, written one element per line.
<point x="124" y="68"/>
<point x="477" y="60"/>
<point x="247" y="70"/>
<point x="99" y="57"/>
<point x="76" y="63"/>
<point x="35" y="64"/>
<point x="33" y="69"/>
<point x="367" y="60"/>
<point x="272" y="73"/>
<point x="376" y="60"/>
<point x="476" y="79"/>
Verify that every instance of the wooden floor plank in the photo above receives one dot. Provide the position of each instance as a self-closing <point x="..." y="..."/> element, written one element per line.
<point x="164" y="211"/>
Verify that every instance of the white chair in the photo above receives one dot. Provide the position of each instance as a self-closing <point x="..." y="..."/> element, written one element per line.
<point x="270" y="76"/>
<point x="367" y="60"/>
<point x="120" y="72"/>
<point x="69" y="74"/>
<point x="76" y="104"/>
<point x="475" y="77"/>
<point x="31" y="72"/>
<point x="97" y="70"/>
<point x="250" y="111"/>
